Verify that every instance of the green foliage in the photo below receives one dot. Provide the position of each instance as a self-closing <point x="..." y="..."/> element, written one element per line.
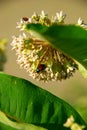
<point x="24" y="102"/>
<point x="70" y="39"/>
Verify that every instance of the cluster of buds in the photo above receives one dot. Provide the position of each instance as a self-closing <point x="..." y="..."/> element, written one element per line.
<point x="42" y="19"/>
<point x="40" y="59"/>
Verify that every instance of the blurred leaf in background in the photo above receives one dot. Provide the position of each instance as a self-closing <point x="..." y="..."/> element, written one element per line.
<point x="3" y="59"/>
<point x="81" y="106"/>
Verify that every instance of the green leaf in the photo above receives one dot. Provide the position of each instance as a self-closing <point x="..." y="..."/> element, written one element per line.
<point x="17" y="125"/>
<point x="71" y="39"/>
<point x="23" y="102"/>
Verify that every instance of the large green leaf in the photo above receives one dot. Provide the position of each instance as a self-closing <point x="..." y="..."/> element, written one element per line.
<point x="24" y="102"/>
<point x="71" y="39"/>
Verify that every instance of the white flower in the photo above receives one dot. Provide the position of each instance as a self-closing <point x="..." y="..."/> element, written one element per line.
<point x="43" y="14"/>
<point x="80" y="21"/>
<point x="76" y="126"/>
<point x="21" y="25"/>
<point x="59" y="17"/>
<point x="70" y="123"/>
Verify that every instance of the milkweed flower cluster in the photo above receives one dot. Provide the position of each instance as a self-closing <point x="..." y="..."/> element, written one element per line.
<point x="40" y="59"/>
<point x="82" y="23"/>
<point x="70" y="123"/>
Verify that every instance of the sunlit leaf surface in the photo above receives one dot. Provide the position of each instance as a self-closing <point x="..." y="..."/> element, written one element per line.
<point x="24" y="102"/>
